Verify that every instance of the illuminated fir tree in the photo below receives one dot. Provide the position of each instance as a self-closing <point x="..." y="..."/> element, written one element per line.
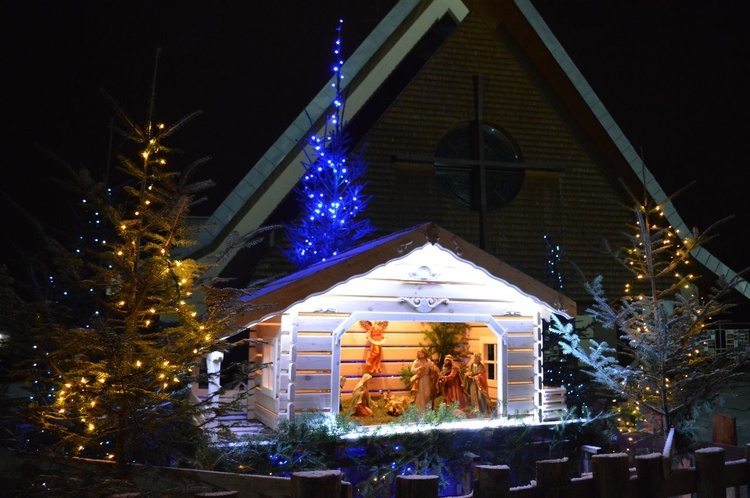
<point x="660" y="369"/>
<point x="118" y="364"/>
<point x="330" y="192"/>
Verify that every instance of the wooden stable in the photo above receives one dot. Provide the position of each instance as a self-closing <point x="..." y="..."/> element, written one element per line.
<point x="315" y="346"/>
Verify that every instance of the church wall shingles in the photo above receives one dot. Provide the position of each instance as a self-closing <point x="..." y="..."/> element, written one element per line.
<point x="579" y="207"/>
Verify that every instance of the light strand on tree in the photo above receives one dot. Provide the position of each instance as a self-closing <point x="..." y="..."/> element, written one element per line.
<point x="329" y="193"/>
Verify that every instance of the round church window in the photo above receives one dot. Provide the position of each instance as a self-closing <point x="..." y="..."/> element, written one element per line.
<point x="459" y="179"/>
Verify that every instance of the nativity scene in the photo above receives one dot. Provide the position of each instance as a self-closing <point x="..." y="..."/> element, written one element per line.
<point x="350" y="332"/>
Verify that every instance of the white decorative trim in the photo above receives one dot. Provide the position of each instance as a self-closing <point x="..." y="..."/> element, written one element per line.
<point x="423" y="304"/>
<point x="423" y="273"/>
<point x="403" y="247"/>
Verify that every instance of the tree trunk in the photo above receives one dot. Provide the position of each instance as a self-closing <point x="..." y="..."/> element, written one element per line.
<point x="120" y="443"/>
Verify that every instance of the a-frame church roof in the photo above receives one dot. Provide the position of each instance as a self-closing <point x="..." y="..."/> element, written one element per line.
<point x="518" y="24"/>
<point x="320" y="277"/>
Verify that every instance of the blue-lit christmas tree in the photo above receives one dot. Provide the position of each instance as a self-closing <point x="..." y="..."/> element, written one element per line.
<point x="330" y="192"/>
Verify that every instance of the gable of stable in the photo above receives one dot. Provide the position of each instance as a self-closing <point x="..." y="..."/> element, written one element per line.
<point x="318" y="346"/>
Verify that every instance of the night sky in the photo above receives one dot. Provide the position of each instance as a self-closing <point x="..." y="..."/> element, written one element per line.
<point x="676" y="79"/>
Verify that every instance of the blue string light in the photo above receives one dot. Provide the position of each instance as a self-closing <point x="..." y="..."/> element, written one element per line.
<point x="330" y="192"/>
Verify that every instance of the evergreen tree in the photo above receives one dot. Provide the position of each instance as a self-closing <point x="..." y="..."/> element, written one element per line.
<point x="444" y="339"/>
<point x="660" y="368"/>
<point x="559" y="369"/>
<point x="330" y="193"/>
<point x="114" y="366"/>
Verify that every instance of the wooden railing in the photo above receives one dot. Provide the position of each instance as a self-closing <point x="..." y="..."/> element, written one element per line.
<point x="612" y="477"/>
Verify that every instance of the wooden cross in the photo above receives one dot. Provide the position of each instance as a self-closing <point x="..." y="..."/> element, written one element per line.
<point x="478" y="163"/>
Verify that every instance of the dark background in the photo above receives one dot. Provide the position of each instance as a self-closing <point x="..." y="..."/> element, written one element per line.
<point x="675" y="77"/>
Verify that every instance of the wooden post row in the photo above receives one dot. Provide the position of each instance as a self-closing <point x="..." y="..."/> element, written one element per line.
<point x="611" y="476"/>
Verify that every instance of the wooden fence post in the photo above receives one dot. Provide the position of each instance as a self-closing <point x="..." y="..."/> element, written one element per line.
<point x="347" y="490"/>
<point x="552" y="478"/>
<point x="492" y="481"/>
<point x="465" y="486"/>
<point x="611" y="475"/>
<point x="709" y="468"/>
<point x="316" y="484"/>
<point x="651" y="482"/>
<point x="588" y="451"/>
<point x="417" y="486"/>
